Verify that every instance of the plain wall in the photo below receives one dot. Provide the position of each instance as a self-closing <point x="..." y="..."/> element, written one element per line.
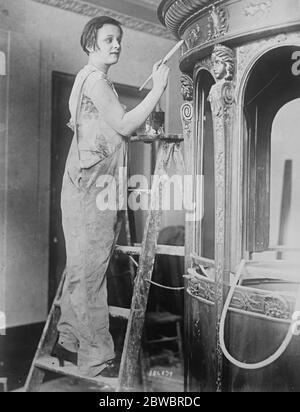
<point x="41" y="39"/>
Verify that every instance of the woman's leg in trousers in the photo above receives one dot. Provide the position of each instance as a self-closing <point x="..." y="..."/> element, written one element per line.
<point x="89" y="241"/>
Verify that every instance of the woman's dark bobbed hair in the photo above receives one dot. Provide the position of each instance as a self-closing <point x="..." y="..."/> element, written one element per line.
<point x="90" y="31"/>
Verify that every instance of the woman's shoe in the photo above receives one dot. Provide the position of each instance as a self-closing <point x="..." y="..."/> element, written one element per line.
<point x="63" y="355"/>
<point x="111" y="369"/>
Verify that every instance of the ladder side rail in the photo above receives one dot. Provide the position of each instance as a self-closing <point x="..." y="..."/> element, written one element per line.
<point x="136" y="319"/>
<point x="46" y="343"/>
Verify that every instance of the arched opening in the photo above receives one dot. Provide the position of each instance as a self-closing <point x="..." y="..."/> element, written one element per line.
<point x="285" y="179"/>
<point x="271" y="190"/>
<point x="201" y="367"/>
<point x="204" y="157"/>
<point x="271" y="126"/>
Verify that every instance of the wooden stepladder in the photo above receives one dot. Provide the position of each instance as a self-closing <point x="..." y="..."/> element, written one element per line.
<point x="44" y="362"/>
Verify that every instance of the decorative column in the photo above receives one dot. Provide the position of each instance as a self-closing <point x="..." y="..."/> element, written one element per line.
<point x="187" y="117"/>
<point x="221" y="98"/>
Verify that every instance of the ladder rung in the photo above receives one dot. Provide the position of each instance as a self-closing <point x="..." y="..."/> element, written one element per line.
<point x="166" y="339"/>
<point x="141" y="191"/>
<point x="117" y="312"/>
<point x="114" y="311"/>
<point x="49" y="363"/>
<point x="128" y="250"/>
<point x="170" y="250"/>
<point x="161" y="250"/>
<point x="170" y="138"/>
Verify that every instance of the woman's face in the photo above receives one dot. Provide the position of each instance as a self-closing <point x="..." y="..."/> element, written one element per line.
<point x="109" y="44"/>
<point x="219" y="68"/>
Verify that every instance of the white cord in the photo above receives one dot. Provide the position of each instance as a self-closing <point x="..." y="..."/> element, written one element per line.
<point x="292" y="330"/>
<point x="163" y="286"/>
<point x="134" y="261"/>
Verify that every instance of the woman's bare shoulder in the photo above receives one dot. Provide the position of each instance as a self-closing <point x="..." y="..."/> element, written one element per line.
<point x="96" y="82"/>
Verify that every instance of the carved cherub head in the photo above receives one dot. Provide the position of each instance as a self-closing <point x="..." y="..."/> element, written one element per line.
<point x="186" y="87"/>
<point x="223" y="62"/>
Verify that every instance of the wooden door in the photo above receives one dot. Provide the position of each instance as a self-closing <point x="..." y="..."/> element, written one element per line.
<point x="61" y="140"/>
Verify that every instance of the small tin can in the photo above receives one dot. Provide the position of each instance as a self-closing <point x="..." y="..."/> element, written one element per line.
<point x="154" y="126"/>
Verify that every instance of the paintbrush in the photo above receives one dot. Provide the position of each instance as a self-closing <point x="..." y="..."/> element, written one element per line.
<point x="164" y="60"/>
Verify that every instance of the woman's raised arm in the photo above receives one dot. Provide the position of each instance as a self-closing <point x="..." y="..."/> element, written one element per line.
<point x="112" y="111"/>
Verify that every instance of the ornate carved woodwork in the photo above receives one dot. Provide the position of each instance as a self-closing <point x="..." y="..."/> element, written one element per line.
<point x="217" y="22"/>
<point x="228" y="38"/>
<point x="187" y="115"/>
<point x="254" y="302"/>
<point x="201" y="23"/>
<point x="221" y="100"/>
<point x="187" y="107"/>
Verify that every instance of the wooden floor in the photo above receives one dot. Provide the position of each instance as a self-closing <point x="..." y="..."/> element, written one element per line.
<point x="161" y="377"/>
<point x="67" y="384"/>
<point x="164" y="372"/>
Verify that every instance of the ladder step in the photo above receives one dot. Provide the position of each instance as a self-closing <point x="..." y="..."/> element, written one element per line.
<point x="165" y="339"/>
<point x="51" y="364"/>
<point x="169" y="138"/>
<point x="161" y="250"/>
<point x="114" y="311"/>
<point x="117" y="312"/>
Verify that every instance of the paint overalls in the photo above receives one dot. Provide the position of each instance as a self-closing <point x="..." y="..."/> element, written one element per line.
<point x="90" y="234"/>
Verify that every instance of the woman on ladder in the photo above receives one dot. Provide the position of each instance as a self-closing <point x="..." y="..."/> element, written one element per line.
<point x="97" y="155"/>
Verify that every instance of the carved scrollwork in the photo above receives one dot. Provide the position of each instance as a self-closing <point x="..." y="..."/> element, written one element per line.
<point x="228" y="97"/>
<point x="217" y="22"/>
<point x="197" y="328"/>
<point x="187" y="119"/>
<point x="202" y="289"/>
<point x="261" y="303"/>
<point x="217" y="27"/>
<point x="221" y="100"/>
<point x="247" y="53"/>
<point x="174" y="14"/>
<point x="276" y="307"/>
<point x="254" y="301"/>
<point x="187" y="112"/>
<point x="187" y="87"/>
<point x="255" y="8"/>
<point x="195" y="36"/>
<point x="221" y="97"/>
<point x="187" y="108"/>
<point x="227" y="94"/>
